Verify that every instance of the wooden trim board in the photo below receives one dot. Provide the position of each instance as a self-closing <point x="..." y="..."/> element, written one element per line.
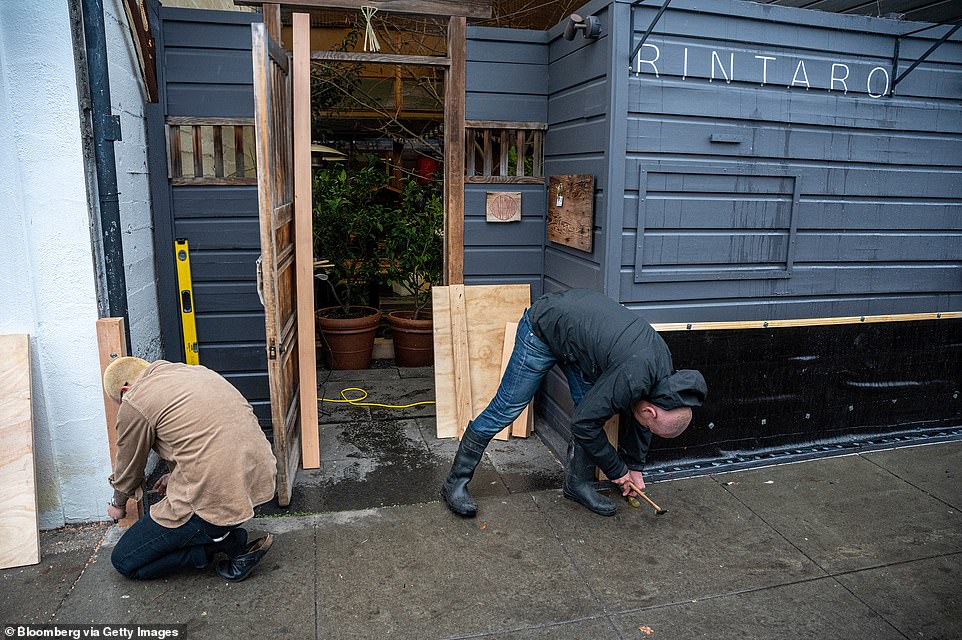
<point x="487" y="309"/>
<point x="112" y="343"/>
<point x="804" y="322"/>
<point x="304" y="242"/>
<point x="19" y="526"/>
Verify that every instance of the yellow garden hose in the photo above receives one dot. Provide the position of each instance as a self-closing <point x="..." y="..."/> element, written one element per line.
<point x="357" y="401"/>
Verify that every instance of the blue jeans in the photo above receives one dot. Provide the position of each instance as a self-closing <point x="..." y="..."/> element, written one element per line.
<point x="148" y="550"/>
<point x="530" y="362"/>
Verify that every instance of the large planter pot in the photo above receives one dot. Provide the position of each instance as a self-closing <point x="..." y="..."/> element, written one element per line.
<point x="350" y="340"/>
<point x="413" y="339"/>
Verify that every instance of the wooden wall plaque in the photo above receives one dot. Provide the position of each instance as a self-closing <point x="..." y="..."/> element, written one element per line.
<point x="571" y="210"/>
<point x="503" y="206"/>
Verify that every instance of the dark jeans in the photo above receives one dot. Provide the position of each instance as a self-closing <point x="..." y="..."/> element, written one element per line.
<point x="530" y="362"/>
<point x="148" y="550"/>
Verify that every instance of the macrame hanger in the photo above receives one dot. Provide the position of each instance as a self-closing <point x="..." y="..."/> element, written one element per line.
<point x="370" y="39"/>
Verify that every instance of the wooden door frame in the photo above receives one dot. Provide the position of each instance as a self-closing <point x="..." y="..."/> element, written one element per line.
<point x="454" y="65"/>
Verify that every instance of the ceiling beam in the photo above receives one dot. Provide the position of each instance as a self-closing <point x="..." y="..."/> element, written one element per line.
<point x="466" y="8"/>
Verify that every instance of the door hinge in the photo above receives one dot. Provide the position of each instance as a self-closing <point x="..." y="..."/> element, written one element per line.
<point x="272" y="352"/>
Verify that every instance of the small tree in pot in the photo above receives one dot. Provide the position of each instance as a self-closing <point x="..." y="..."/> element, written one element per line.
<point x="347" y="223"/>
<point x="414" y="254"/>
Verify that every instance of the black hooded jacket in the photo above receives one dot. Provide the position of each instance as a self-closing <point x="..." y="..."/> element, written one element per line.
<point x="624" y="359"/>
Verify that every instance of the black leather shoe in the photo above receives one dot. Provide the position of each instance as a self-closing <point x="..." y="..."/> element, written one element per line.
<point x="455" y="488"/>
<point x="232" y="544"/>
<point x="237" y="568"/>
<point x="579" y="484"/>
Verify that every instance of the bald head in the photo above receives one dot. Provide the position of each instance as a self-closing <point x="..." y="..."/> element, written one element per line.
<point x="662" y="422"/>
<point x="121" y="374"/>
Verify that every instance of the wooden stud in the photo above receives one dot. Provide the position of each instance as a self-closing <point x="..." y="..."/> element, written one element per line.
<point x="519" y="161"/>
<point x="218" y="151"/>
<point x="504" y="143"/>
<point x="454" y="80"/>
<point x="19" y="525"/>
<point x="488" y="153"/>
<point x="304" y="251"/>
<point x="462" y="358"/>
<point x="190" y="121"/>
<point x="505" y="124"/>
<point x="537" y="166"/>
<point x="239" y="160"/>
<point x="112" y="344"/>
<point x="175" y="159"/>
<point x="469" y="151"/>
<point x="198" y="153"/>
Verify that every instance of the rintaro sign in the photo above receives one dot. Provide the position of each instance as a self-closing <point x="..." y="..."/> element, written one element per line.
<point x="793" y="72"/>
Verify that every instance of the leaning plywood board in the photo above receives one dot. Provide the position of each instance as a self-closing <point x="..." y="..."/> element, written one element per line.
<point x="19" y="532"/>
<point x="487" y="309"/>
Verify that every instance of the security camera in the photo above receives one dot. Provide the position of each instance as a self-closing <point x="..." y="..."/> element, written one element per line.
<point x="590" y="27"/>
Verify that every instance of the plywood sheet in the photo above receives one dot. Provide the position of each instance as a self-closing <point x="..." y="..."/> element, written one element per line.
<point x="19" y="532"/>
<point x="487" y="309"/>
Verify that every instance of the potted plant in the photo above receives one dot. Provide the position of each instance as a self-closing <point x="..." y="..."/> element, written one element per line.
<point x="414" y="255"/>
<point x="347" y="222"/>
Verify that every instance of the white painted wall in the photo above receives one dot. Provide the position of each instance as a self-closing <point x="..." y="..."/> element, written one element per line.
<point x="127" y="98"/>
<point x="46" y="266"/>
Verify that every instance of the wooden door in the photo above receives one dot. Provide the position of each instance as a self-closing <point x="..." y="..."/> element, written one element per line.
<point x="273" y="121"/>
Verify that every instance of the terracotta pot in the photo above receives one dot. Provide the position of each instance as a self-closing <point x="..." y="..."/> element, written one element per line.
<point x="413" y="339"/>
<point x="351" y="340"/>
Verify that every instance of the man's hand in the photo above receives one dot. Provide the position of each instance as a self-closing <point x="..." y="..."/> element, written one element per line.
<point x="161" y="485"/>
<point x="636" y="479"/>
<point x="116" y="513"/>
<point x="632" y="476"/>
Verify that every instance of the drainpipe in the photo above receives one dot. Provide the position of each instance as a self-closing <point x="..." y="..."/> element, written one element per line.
<point x="106" y="130"/>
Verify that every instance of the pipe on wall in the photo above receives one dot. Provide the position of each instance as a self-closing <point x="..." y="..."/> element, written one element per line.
<point x="106" y="130"/>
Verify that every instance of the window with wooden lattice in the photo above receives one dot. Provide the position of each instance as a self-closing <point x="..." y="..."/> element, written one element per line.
<point x="211" y="151"/>
<point x="504" y="152"/>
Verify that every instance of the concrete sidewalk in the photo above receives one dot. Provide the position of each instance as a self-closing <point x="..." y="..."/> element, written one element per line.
<point x="866" y="546"/>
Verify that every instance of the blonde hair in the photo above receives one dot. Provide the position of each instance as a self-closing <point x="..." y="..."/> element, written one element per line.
<point x="122" y="372"/>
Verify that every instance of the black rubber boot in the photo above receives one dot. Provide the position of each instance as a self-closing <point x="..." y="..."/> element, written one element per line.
<point x="455" y="488"/>
<point x="579" y="482"/>
<point x="237" y="568"/>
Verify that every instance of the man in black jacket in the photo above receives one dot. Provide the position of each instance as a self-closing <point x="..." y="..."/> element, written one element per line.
<point x="615" y="363"/>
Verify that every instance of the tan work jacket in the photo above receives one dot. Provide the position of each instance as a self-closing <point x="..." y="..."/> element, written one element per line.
<point x="221" y="463"/>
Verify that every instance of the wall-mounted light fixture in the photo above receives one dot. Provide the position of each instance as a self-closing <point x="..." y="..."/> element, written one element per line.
<point x="590" y="27"/>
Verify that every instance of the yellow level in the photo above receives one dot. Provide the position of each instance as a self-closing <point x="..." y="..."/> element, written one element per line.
<point x="191" y="348"/>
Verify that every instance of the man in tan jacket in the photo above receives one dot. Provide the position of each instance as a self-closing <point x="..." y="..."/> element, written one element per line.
<point x="221" y="467"/>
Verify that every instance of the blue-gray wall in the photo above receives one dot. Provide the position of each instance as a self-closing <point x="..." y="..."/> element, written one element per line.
<point x="506" y="80"/>
<point x="205" y="69"/>
<point x="717" y="168"/>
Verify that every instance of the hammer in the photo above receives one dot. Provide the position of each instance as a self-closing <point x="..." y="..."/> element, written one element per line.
<point x="658" y="510"/>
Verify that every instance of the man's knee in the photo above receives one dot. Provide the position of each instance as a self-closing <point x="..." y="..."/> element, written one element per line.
<point x="122" y="563"/>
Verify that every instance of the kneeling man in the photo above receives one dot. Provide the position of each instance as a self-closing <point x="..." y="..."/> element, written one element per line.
<point x="221" y="467"/>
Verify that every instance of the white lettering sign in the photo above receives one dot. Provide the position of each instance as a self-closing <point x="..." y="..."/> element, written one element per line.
<point x="715" y="64"/>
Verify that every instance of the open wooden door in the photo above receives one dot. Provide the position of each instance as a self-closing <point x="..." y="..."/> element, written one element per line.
<point x="273" y="122"/>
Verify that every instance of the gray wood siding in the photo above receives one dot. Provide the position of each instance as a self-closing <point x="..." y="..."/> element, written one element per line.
<point x="206" y="70"/>
<point x="746" y="200"/>
<point x="579" y="89"/>
<point x="506" y="81"/>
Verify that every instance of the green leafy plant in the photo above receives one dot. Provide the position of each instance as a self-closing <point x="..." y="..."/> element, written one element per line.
<point x="348" y="221"/>
<point x="414" y="242"/>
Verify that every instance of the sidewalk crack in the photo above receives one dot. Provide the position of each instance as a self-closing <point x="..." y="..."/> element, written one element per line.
<point x="564" y="548"/>
<point x="89" y="562"/>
